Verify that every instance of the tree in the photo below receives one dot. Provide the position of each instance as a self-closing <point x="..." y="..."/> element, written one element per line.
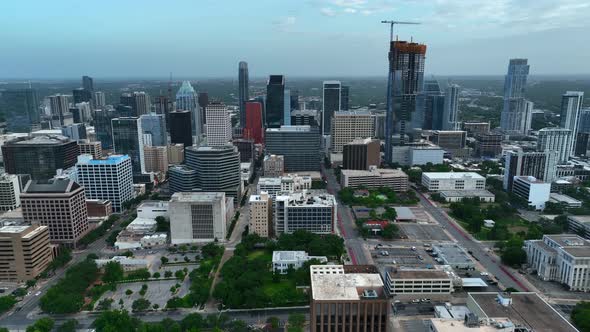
<point x="581" y="316"/>
<point x="44" y="324"/>
<point x="273" y="321"/>
<point x="168" y="274"/>
<point x="69" y="326"/>
<point x="297" y="321"/>
<point x="179" y="274"/>
<point x="162" y="224"/>
<point x="6" y="303"/>
<point x="116" y="320"/>
<point x="193" y="320"/>
<point x="164" y="259"/>
<point x="140" y="305"/>
<point x="390" y="231"/>
<point x="31" y="282"/>
<point x="513" y="256"/>
<point x="128" y="292"/>
<point x="156" y="275"/>
<point x="113" y="272"/>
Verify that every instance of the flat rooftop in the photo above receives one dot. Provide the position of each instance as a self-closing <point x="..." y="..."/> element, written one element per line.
<point x="110" y="160"/>
<point x="453" y="325"/>
<point x="13" y="229"/>
<point x="467" y="193"/>
<point x="153" y="204"/>
<point x="308" y="198"/>
<point x="417" y="274"/>
<point x="452" y="254"/>
<point x="381" y="172"/>
<point x="195" y="197"/>
<point x="527" y="309"/>
<point x="345" y="287"/>
<point x="453" y="175"/>
<point x="404" y="213"/>
<point x="564" y="198"/>
<point x="278" y="256"/>
<point x="580" y="219"/>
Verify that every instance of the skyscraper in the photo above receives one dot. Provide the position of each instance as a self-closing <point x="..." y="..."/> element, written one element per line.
<point x="103" y="126"/>
<point x="186" y="99"/>
<point x="275" y="101"/>
<point x="88" y="83"/>
<point x="128" y="140"/>
<point x="154" y="125"/>
<point x="513" y="114"/>
<point x="300" y="145"/>
<point x="344" y="97"/>
<point x="348" y="126"/>
<point x="571" y="106"/>
<point x="164" y="106"/>
<point x="143" y="102"/>
<point x="218" y="124"/>
<point x="451" y="110"/>
<point x="434" y="106"/>
<point x="243" y="92"/>
<point x="254" y="126"/>
<point x="180" y="128"/>
<point x="99" y="99"/>
<point x="60" y="107"/>
<point x="556" y="139"/>
<point x="330" y="104"/>
<point x="541" y="165"/>
<point x="20" y="107"/>
<point x="81" y="95"/>
<point x="405" y="82"/>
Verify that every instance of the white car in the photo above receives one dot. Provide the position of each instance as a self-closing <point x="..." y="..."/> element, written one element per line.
<point x="38" y="293"/>
<point x="485" y="274"/>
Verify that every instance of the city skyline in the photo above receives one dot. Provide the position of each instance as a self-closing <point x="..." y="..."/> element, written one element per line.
<point x="339" y="31"/>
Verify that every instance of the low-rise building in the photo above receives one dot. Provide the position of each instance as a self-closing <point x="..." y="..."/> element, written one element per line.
<point x="24" y="252"/>
<point x="282" y="261"/>
<point x="197" y="217"/>
<point x="459" y="195"/>
<point x="273" y="165"/>
<point x="417" y="154"/>
<point x="565" y="200"/>
<point x="287" y="183"/>
<point x="441" y="181"/>
<point x="99" y="208"/>
<point x="453" y="255"/>
<point x="418" y="281"/>
<point x="579" y="225"/>
<point x="246" y="171"/>
<point x="535" y="192"/>
<point x="127" y="263"/>
<point x="310" y="210"/>
<point x="374" y="178"/>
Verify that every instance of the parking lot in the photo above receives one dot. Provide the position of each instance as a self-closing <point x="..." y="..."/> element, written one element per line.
<point x="414" y="325"/>
<point x="405" y="256"/>
<point x="423" y="232"/>
<point x="158" y="292"/>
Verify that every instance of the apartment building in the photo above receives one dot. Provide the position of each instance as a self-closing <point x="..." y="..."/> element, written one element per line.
<point x="261" y="214"/>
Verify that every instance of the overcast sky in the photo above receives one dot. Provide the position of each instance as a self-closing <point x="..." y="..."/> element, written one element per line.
<point x="207" y="38"/>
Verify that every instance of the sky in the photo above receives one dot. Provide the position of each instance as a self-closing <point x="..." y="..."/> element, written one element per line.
<point x="339" y="38"/>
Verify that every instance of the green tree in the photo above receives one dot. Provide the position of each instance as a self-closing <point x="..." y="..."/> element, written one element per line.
<point x="6" y="303"/>
<point x="273" y="321"/>
<point x="162" y="224"/>
<point x="296" y="321"/>
<point x="116" y="321"/>
<point x="390" y="231"/>
<point x="113" y="272"/>
<point x="69" y="326"/>
<point x="104" y="304"/>
<point x="581" y="316"/>
<point x="513" y="256"/>
<point x="140" y="305"/>
<point x="128" y="292"/>
<point x="193" y="320"/>
<point x="44" y="324"/>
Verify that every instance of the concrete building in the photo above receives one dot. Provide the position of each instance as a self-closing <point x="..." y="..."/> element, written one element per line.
<point x="197" y="217"/>
<point x="579" y="225"/>
<point x="218" y="124"/>
<point x="348" y="126"/>
<point x="458" y="195"/>
<point x="141" y="231"/>
<point x="418" y="282"/>
<point x="454" y="255"/>
<point x="475" y="128"/>
<point x="441" y="181"/>
<point x="361" y="153"/>
<point x="565" y="200"/>
<point x="488" y="144"/>
<point x="413" y="155"/>
<point x="175" y="154"/>
<point x="156" y="159"/>
<point x="453" y="141"/>
<point x="282" y="261"/>
<point x="288" y="183"/>
<point x="182" y="179"/>
<point x="39" y="156"/>
<point x="99" y="208"/>
<point x="9" y="192"/>
<point x="91" y="148"/>
<point x="24" y="252"/>
<point x="261" y="215"/>
<point x="556" y="139"/>
<point x="127" y="263"/>
<point x="535" y="192"/>
<point x="374" y="178"/>
<point x="562" y="258"/>
<point x="541" y="165"/>
<point x="246" y="149"/>
<point x="107" y="179"/>
<point x="273" y="165"/>
<point x="299" y="145"/>
<point x="308" y="210"/>
<point x="271" y="186"/>
<point x="154" y="125"/>
<point x="347" y="298"/>
<point x="571" y="105"/>
<point x="75" y="131"/>
<point x="58" y="204"/>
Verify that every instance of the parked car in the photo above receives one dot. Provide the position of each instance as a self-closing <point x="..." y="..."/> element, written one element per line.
<point x="485" y="274"/>
<point x="425" y="300"/>
<point x="416" y="301"/>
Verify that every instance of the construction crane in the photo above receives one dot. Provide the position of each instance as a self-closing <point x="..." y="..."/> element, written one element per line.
<point x="392" y="23"/>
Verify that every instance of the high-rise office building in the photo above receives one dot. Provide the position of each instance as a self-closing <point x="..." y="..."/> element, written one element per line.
<point x="541" y="165"/>
<point x="197" y="217"/>
<point x="344" y="98"/>
<point x="360" y="154"/>
<point x="275" y="101"/>
<point x="59" y="204"/>
<point x="513" y="113"/>
<point x="287" y="108"/>
<point x="347" y="126"/>
<point x="330" y="104"/>
<point x="163" y="105"/>
<point x="186" y="99"/>
<point x="39" y="156"/>
<point x="218" y="125"/>
<point x="156" y="159"/>
<point x="450" y="139"/>
<point x="180" y="128"/>
<point x="434" y="106"/>
<point x="154" y="125"/>
<point x="182" y="179"/>
<point x="203" y="99"/>
<point x="143" y="103"/>
<point x="20" y="107"/>
<point x="243" y="92"/>
<point x="571" y="106"/>
<point x="305" y="118"/>
<point x="60" y="107"/>
<point x="9" y="192"/>
<point x="110" y="178"/>
<point x="175" y="154"/>
<point x="300" y="145"/>
<point x="260" y="214"/>
<point x="75" y="131"/>
<point x="99" y="99"/>
<point x="246" y="148"/>
<point x="24" y="252"/>
<point x="556" y="139"/>
<point x="488" y="144"/>
<point x="528" y="116"/>
<point x="128" y="139"/>
<point x="451" y="110"/>
<point x="295" y="100"/>
<point x="103" y="127"/>
<point x="405" y="83"/>
<point x="81" y="95"/>
<point x="88" y="83"/>
<point x="254" y="125"/>
<point x="475" y="128"/>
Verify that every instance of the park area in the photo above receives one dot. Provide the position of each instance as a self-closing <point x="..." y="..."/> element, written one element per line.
<point x="374" y="198"/>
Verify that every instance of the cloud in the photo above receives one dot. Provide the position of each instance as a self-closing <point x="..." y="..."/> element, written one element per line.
<point x="327" y="11"/>
<point x="362" y="7"/>
<point x="285" y="23"/>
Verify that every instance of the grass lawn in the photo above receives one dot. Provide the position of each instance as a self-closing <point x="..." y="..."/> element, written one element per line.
<point x="273" y="289"/>
<point x="260" y="253"/>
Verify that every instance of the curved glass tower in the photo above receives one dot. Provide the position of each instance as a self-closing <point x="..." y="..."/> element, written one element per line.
<point x="187" y="99"/>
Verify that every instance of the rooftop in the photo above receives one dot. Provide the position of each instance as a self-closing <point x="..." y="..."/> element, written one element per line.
<point x="345" y="286"/>
<point x="453" y="325"/>
<point x="452" y="253"/>
<point x="466" y="193"/>
<point x="404" y="213"/>
<point x="110" y="160"/>
<point x="304" y="128"/>
<point x="40" y="140"/>
<point x="417" y="274"/>
<point x="308" y="198"/>
<point x="13" y="229"/>
<point x="527" y="179"/>
<point x="564" y="198"/>
<point x="288" y="255"/>
<point x="452" y="175"/>
<point x="58" y="185"/>
<point x="382" y="172"/>
<point x="197" y="197"/>
<point x="527" y="309"/>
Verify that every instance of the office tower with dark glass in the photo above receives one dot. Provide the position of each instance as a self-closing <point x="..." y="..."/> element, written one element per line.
<point x="88" y="83"/>
<point x="513" y="117"/>
<point x="40" y="156"/>
<point x="128" y="140"/>
<point x="275" y="101"/>
<point x="103" y="127"/>
<point x="186" y="99"/>
<point x="434" y="101"/>
<point x="300" y="145"/>
<point x="405" y="83"/>
<point x="153" y="126"/>
<point x="451" y="109"/>
<point x="180" y="128"/>
<point x="243" y="91"/>
<point x="330" y="104"/>
<point x="81" y="95"/>
<point x="571" y="107"/>
<point x="344" y="98"/>
<point x="20" y="107"/>
<point x="163" y="105"/>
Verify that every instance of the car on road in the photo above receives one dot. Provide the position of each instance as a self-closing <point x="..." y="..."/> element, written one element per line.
<point x="384" y="253"/>
<point x="420" y="257"/>
<point x="470" y="252"/>
<point x="485" y="274"/>
<point x="38" y="293"/>
<point x="413" y="248"/>
<point x="416" y="301"/>
<point x="426" y="300"/>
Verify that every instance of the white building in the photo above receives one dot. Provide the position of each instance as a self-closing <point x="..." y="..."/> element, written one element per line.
<point x="197" y="217"/>
<point x="260" y="214"/>
<point x="556" y="139"/>
<point x="246" y="171"/>
<point x="418" y="281"/>
<point x="579" y="225"/>
<point x="564" y="258"/>
<point x="536" y="192"/>
<point x="313" y="211"/>
<point x="9" y="192"/>
<point x="127" y="263"/>
<point x="283" y="260"/>
<point x="287" y="183"/>
<point x="110" y="178"/>
<point x="374" y="178"/>
<point x="218" y="124"/>
<point x="348" y="126"/>
<point x="440" y="181"/>
<point x="459" y="195"/>
<point x="272" y="186"/>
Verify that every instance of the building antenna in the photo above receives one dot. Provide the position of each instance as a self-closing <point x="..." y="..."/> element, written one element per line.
<point x="392" y="23"/>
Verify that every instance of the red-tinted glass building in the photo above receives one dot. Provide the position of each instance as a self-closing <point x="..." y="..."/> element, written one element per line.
<point x="254" y="129"/>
